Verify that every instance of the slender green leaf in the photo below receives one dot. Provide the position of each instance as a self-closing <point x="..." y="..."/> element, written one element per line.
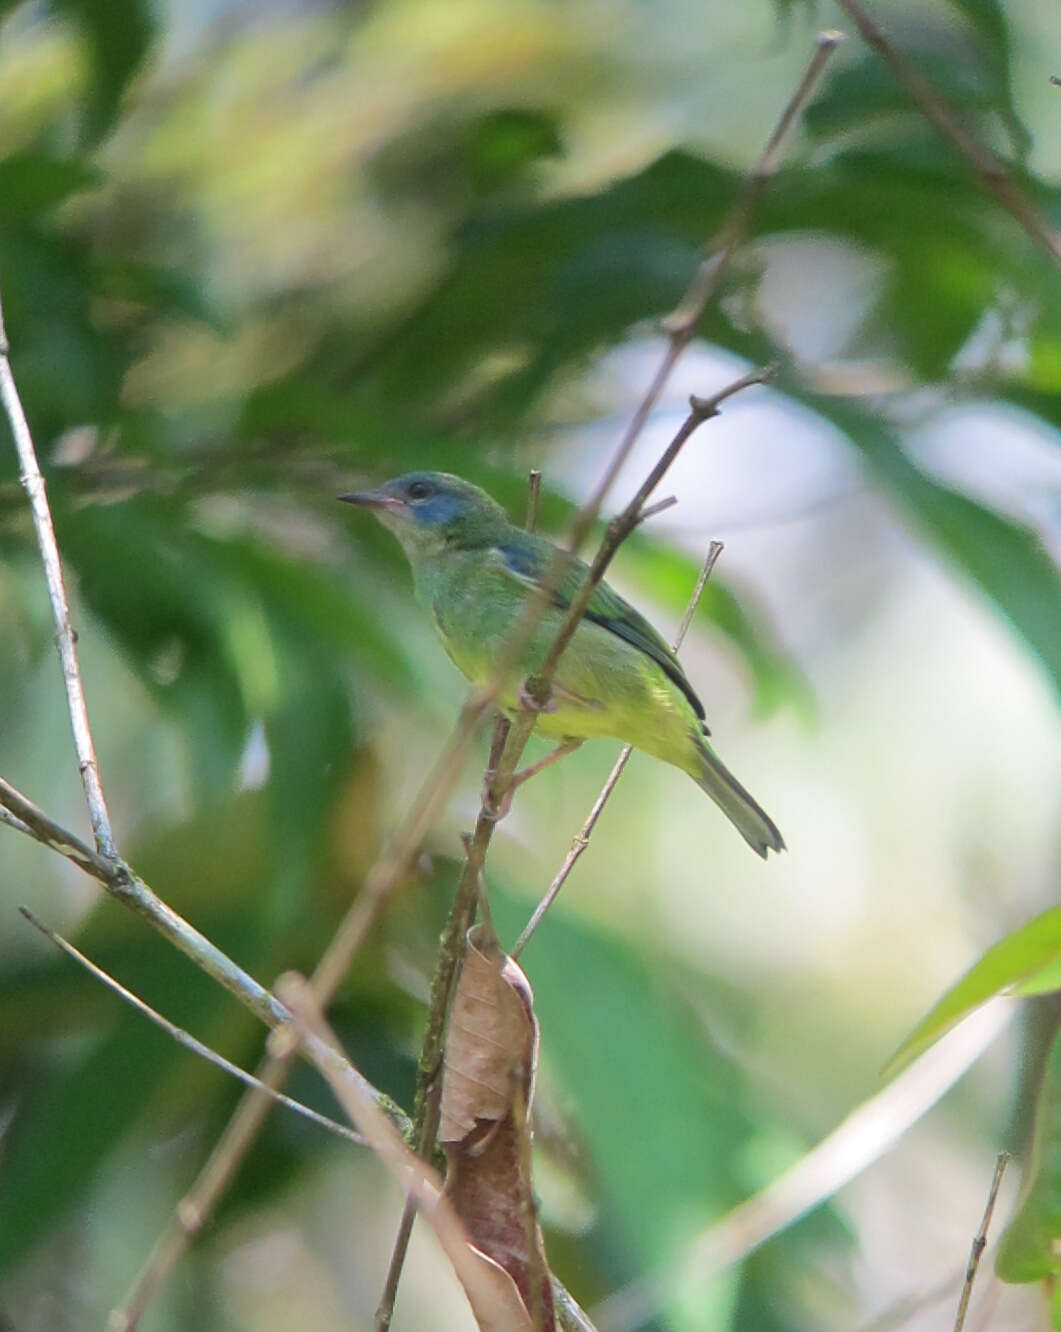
<point x="1020" y="962"/>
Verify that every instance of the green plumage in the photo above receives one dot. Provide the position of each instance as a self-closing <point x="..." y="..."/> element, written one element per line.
<point x="474" y="572"/>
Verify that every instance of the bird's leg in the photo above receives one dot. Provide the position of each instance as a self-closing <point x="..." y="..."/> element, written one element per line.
<point x="499" y="811"/>
<point x="567" y="746"/>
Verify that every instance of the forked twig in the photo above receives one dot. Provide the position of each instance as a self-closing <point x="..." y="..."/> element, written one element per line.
<point x="185" y="1038"/>
<point x="492" y="1293"/>
<point x="680" y="327"/>
<point x="980" y="1241"/>
<point x="131" y="890"/>
<point x="451" y="952"/>
<point x="581" y="840"/>
<point x="426" y="1114"/>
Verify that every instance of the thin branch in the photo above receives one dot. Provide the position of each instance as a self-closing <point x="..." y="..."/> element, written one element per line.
<point x="426" y="1114"/>
<point x="534" y="498"/>
<point x="980" y="1242"/>
<point x="866" y="1134"/>
<point x="992" y="174"/>
<point x="581" y="840"/>
<point x="120" y="881"/>
<point x="681" y="323"/>
<point x="680" y="327"/>
<point x="569" y="1313"/>
<point x="185" y="1038"/>
<point x="537" y="688"/>
<point x="451" y="952"/>
<point x="130" y="889"/>
<point x="491" y="1291"/>
<point x="660" y="506"/>
<point x="33" y="484"/>
<point x="13" y="822"/>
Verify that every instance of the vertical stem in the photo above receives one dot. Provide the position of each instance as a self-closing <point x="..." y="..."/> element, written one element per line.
<point x="65" y="638"/>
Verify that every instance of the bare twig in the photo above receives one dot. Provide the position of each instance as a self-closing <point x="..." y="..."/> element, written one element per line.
<point x="866" y="1134"/>
<point x="33" y="484"/>
<point x="120" y="881"/>
<point x="980" y="1242"/>
<point x="680" y="327"/>
<point x="992" y="174"/>
<point x="660" y="506"/>
<point x="198" y="1203"/>
<point x="491" y="1291"/>
<point x="185" y="1038"/>
<point x="538" y="686"/>
<point x="534" y="498"/>
<point x="681" y="323"/>
<point x="426" y="1115"/>
<point x="569" y="1313"/>
<point x="581" y="840"/>
<point x="462" y="913"/>
<point x="129" y="888"/>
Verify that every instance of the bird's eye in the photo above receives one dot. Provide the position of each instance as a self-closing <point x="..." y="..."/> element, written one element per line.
<point x="418" y="490"/>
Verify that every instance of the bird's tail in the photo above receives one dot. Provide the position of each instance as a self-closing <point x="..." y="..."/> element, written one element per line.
<point x="750" y="820"/>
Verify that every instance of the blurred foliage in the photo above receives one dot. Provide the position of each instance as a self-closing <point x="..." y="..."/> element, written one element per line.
<point x="247" y="257"/>
<point x="1028" y="1251"/>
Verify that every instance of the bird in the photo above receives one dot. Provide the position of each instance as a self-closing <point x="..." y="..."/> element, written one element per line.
<point x="474" y="572"/>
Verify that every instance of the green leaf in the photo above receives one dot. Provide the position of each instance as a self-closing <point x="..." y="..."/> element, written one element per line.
<point x="988" y="20"/>
<point x="32" y="182"/>
<point x="1005" y="560"/>
<point x="119" y="34"/>
<point x="1029" y="1250"/>
<point x="1021" y="961"/>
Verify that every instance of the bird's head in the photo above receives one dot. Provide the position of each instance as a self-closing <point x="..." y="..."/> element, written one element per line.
<point x="429" y="511"/>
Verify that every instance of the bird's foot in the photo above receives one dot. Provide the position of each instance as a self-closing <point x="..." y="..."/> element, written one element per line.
<point x="528" y="699"/>
<point x="495" y="809"/>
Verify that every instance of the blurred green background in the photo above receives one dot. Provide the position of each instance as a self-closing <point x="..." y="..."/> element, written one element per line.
<point x="251" y="254"/>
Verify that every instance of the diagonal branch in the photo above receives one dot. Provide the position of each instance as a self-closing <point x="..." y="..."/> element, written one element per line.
<point x="581" y="840"/>
<point x="122" y="883"/>
<point x="185" y="1038"/>
<point x="129" y="888"/>
<point x="492" y="1293"/>
<point x="680" y="327"/>
<point x="992" y="174"/>
<point x="33" y="484"/>
<point x="980" y="1241"/>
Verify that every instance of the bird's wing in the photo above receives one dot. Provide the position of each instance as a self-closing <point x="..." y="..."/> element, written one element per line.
<point x="528" y="559"/>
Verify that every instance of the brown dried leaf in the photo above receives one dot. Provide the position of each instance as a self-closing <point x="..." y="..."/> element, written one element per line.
<point x="496" y="1301"/>
<point x="488" y="1083"/>
<point x="490" y="1040"/>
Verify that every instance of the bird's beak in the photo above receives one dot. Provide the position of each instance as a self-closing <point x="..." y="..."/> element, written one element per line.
<point x="372" y="499"/>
